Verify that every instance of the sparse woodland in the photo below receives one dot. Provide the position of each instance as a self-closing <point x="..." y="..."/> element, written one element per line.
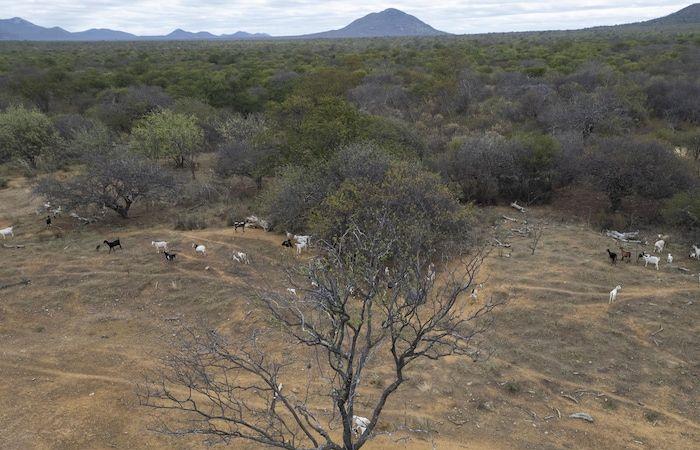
<point x="383" y="150"/>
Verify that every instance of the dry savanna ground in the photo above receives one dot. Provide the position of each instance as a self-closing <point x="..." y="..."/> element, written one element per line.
<point x="77" y="339"/>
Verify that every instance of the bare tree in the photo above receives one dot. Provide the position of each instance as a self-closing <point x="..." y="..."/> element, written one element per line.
<point x="535" y="237"/>
<point x="114" y="180"/>
<point x="357" y="317"/>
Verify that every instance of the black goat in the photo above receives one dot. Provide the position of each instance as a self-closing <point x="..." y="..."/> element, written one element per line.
<point x="613" y="256"/>
<point x="48" y="221"/>
<point x="114" y="243"/>
<point x="237" y="225"/>
<point x="288" y="243"/>
<point x="169" y="256"/>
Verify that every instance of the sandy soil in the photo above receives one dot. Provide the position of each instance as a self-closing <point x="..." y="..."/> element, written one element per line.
<point x="75" y="342"/>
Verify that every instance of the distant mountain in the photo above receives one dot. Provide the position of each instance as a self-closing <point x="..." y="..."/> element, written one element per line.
<point x="688" y="15"/>
<point x="390" y="22"/>
<point x="102" y="34"/>
<point x="244" y="35"/>
<point x="17" y="29"/>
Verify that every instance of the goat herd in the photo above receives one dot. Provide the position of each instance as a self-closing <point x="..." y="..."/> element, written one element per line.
<point x="299" y="242"/>
<point x="648" y="259"/>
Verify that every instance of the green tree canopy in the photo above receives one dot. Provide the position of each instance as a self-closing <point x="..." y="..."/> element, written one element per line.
<point x="26" y="134"/>
<point x="166" y="134"/>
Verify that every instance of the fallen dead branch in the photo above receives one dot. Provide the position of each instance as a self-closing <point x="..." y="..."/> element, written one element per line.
<point x="518" y="207"/>
<point x="583" y="416"/>
<point x="24" y="282"/>
<point x="570" y="397"/>
<point x="13" y="246"/>
<point x="630" y="236"/>
<point x="510" y="219"/>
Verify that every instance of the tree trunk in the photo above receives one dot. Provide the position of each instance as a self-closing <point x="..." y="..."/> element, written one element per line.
<point x="193" y="167"/>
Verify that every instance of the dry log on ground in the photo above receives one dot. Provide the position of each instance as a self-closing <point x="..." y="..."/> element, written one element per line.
<point x="256" y="222"/>
<point x="630" y="236"/>
<point x="19" y="283"/>
<point x="582" y="416"/>
<point x="518" y="207"/>
<point x="13" y="246"/>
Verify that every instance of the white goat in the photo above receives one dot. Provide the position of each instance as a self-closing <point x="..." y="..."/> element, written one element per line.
<point x="695" y="253"/>
<point x="7" y="232"/>
<point x="160" y="245"/>
<point x="431" y="273"/>
<point x="202" y="250"/>
<point x="613" y="293"/>
<point x="669" y="258"/>
<point x="359" y="425"/>
<point x="306" y="240"/>
<point x="659" y="246"/>
<point x="651" y="259"/>
<point x="292" y="291"/>
<point x="475" y="291"/>
<point x="240" y="257"/>
<point x="300" y="246"/>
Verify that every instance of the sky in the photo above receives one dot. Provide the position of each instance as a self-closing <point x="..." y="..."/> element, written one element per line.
<point x="292" y="17"/>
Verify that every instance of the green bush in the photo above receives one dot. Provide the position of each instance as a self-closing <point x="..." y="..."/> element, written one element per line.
<point x="683" y="209"/>
<point x="3" y="182"/>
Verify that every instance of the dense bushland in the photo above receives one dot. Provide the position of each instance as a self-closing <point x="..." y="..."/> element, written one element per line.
<point x="321" y="126"/>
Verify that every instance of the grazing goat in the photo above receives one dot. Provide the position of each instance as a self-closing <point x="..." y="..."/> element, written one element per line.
<point x="160" y="245"/>
<point x="306" y="240"/>
<point x="237" y="225"/>
<point x="475" y="294"/>
<point x="292" y="291"/>
<point x="359" y="425"/>
<point x="669" y="258"/>
<point x="169" y="256"/>
<point x="240" y="257"/>
<point x="300" y="246"/>
<point x="695" y="253"/>
<point x="7" y="232"/>
<point x="613" y="293"/>
<point x="659" y="246"/>
<point x="199" y="248"/>
<point x="113" y="244"/>
<point x="287" y="243"/>
<point x="651" y="259"/>
<point x="613" y="256"/>
<point x="431" y="273"/>
<point x="625" y="254"/>
<point x="475" y="291"/>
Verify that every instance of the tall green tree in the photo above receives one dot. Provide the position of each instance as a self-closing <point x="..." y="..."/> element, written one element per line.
<point x="166" y="134"/>
<point x="26" y="134"/>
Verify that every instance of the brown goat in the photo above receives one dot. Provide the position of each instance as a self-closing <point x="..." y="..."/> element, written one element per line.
<point x="625" y="254"/>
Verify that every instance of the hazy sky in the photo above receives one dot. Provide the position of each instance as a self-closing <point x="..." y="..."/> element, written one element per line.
<point x="280" y="17"/>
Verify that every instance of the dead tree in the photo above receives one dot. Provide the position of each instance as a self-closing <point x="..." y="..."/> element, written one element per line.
<point x="535" y="237"/>
<point x="353" y="317"/>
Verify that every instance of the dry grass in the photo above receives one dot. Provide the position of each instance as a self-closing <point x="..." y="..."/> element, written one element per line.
<point x="76" y="340"/>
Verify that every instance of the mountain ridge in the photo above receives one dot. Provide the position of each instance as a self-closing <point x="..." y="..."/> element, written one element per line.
<point x="388" y="23"/>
